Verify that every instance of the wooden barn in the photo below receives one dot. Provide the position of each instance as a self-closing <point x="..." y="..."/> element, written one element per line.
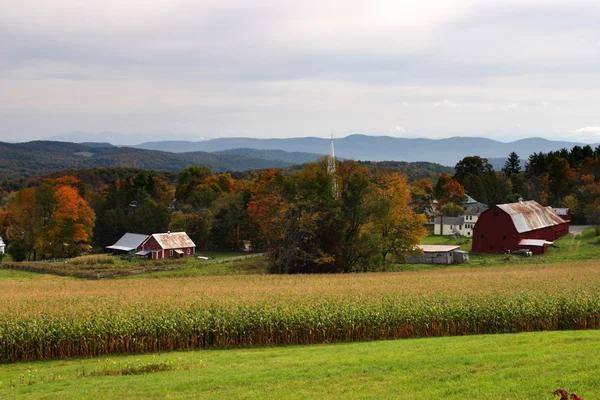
<point x="165" y="245"/>
<point x="510" y="227"/>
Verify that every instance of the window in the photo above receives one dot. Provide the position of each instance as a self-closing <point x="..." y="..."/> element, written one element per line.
<point x="504" y="237"/>
<point x="482" y="235"/>
<point x="189" y="251"/>
<point x="171" y="253"/>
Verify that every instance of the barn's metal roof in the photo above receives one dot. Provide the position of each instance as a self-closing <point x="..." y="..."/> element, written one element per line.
<point x="173" y="240"/>
<point x="561" y="211"/>
<point x="128" y="242"/>
<point x="530" y="215"/>
<point x="437" y="248"/>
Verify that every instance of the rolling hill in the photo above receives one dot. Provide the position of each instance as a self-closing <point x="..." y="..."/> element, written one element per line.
<point x="376" y="148"/>
<point x="22" y="160"/>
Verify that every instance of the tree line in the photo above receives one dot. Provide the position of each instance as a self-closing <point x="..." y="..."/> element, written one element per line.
<point x="307" y="225"/>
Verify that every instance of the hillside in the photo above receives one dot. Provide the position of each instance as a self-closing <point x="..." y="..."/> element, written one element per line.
<point x="377" y="148"/>
<point x="23" y="160"/>
<point x="294" y="157"/>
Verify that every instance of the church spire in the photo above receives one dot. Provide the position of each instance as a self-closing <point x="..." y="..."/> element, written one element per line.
<point x="331" y="169"/>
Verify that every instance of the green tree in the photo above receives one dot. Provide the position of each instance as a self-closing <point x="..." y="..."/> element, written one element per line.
<point x="512" y="164"/>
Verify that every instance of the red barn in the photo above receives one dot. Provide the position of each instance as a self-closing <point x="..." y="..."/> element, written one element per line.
<point x="512" y="226"/>
<point x="164" y="245"/>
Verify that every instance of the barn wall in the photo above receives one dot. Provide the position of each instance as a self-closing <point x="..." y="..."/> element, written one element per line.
<point x="431" y="258"/>
<point x="494" y="233"/>
<point x="535" y="249"/>
<point x="152" y="244"/>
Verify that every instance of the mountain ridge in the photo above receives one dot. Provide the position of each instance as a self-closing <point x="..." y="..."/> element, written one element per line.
<point x="447" y="151"/>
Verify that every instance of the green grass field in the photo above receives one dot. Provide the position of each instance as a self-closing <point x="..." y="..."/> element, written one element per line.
<point x="512" y="366"/>
<point x="570" y="248"/>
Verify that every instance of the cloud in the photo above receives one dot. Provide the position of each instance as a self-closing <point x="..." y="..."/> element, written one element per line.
<point x="513" y="106"/>
<point x="588" y="129"/>
<point x="297" y="68"/>
<point x="446" y="104"/>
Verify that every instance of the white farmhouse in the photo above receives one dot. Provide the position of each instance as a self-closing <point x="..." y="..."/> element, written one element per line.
<point x="2" y="246"/>
<point x="462" y="225"/>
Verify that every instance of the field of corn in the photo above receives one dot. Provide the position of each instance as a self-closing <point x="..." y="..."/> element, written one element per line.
<point x="54" y="317"/>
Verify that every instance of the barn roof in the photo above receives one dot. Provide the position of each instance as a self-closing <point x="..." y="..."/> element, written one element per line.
<point x="534" y="242"/>
<point x="561" y="211"/>
<point x="128" y="242"/>
<point x="173" y="240"/>
<point x="530" y="215"/>
<point x="435" y="248"/>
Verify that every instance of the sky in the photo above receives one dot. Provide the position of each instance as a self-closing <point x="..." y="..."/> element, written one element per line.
<point x="193" y="69"/>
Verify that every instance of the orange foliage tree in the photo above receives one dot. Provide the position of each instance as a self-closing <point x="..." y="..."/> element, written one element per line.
<point x="52" y="219"/>
<point x="70" y="231"/>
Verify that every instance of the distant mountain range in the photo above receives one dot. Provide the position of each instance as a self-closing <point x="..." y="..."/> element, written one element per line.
<point x="22" y="160"/>
<point x="376" y="148"/>
<point x="19" y="161"/>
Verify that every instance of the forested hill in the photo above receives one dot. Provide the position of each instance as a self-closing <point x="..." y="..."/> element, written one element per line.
<point x="295" y="157"/>
<point x="22" y="160"/>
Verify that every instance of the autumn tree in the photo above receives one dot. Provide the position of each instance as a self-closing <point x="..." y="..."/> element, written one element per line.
<point x="561" y="178"/>
<point x="21" y="227"/>
<point x="395" y="224"/>
<point x="312" y="228"/>
<point x="71" y="226"/>
<point x="422" y="195"/>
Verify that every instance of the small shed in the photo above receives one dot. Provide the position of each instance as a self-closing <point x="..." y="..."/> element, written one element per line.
<point x="435" y="254"/>
<point x="460" y="256"/>
<point x="128" y="243"/>
<point x="536" y="246"/>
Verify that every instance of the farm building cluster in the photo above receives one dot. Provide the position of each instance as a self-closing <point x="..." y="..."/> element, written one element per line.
<point x="155" y="246"/>
<point x="517" y="226"/>
<point x="525" y="226"/>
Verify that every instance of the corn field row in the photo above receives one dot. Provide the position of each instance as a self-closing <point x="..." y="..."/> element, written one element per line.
<point x="139" y="328"/>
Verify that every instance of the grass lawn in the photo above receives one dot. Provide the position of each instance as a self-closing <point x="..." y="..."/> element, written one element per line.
<point x="106" y="266"/>
<point x="519" y="366"/>
<point x="570" y="248"/>
<point x="191" y="266"/>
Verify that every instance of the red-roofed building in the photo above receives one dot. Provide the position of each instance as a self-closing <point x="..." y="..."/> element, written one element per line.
<point x="503" y="227"/>
<point x="165" y="245"/>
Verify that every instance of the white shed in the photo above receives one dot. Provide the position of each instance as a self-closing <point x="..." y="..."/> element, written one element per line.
<point x="434" y="254"/>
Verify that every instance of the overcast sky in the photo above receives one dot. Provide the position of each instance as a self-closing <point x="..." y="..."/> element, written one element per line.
<point x="276" y="68"/>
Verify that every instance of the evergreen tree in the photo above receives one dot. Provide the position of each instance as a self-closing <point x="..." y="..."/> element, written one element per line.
<point x="512" y="164"/>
